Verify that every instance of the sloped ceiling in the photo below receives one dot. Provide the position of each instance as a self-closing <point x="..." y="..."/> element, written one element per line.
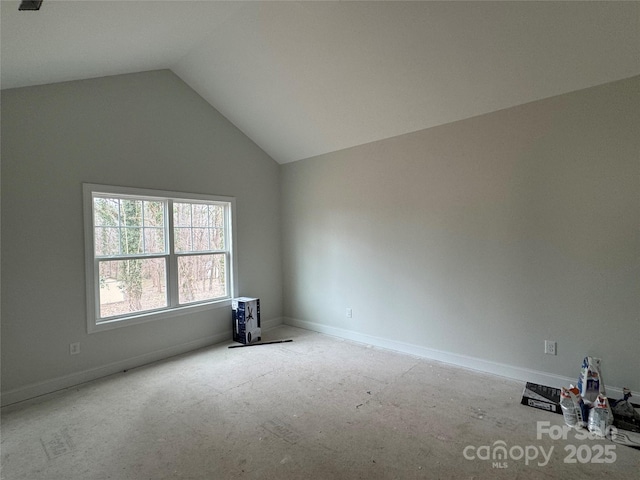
<point x="307" y="78"/>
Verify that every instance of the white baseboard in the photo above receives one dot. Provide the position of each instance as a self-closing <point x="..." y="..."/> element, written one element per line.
<point x="48" y="386"/>
<point x="273" y="323"/>
<point x="472" y="363"/>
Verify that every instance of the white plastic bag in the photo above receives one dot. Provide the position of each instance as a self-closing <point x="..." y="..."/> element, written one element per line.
<point x="590" y="382"/>
<point x="573" y="408"/>
<point x="600" y="416"/>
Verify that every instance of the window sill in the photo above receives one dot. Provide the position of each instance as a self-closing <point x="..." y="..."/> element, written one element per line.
<point x="157" y="315"/>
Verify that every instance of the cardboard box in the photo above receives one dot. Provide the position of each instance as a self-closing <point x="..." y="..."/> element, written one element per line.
<point x="542" y="397"/>
<point x="246" y="320"/>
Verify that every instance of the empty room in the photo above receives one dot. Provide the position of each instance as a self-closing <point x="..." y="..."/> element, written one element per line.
<point x="314" y="239"/>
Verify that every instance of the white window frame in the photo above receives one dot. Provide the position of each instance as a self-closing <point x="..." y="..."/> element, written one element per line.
<point x="94" y="323"/>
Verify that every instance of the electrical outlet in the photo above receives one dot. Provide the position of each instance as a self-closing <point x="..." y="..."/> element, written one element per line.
<point x="74" y="348"/>
<point x="349" y="313"/>
<point x="549" y="347"/>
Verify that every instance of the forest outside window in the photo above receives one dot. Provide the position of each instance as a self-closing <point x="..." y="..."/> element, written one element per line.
<point x="153" y="254"/>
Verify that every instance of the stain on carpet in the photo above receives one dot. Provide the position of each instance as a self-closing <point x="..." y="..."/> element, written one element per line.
<point x="56" y="444"/>
<point x="282" y="430"/>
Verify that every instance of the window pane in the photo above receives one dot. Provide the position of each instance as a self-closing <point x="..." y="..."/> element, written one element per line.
<point x="200" y="216"/>
<point x="200" y="239"/>
<point x="154" y="240"/>
<point x="198" y="227"/>
<point x="216" y="216"/>
<point x="182" y="239"/>
<point x="182" y="214"/>
<point x="130" y="241"/>
<point x="201" y="277"/>
<point x="131" y="213"/>
<point x="117" y="226"/>
<point x="153" y="214"/>
<point x="106" y="211"/>
<point x="107" y="241"/>
<point x="217" y="238"/>
<point x="130" y="286"/>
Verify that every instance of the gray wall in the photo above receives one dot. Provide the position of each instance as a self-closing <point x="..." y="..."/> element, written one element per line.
<point x="147" y="130"/>
<point x="480" y="238"/>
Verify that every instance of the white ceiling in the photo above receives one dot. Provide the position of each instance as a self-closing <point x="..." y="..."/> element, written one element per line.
<point x="306" y="78"/>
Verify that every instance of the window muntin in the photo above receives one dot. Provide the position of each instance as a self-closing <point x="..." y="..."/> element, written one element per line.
<point x="155" y="253"/>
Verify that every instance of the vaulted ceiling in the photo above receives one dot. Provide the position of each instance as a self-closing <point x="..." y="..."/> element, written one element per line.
<point x="307" y="78"/>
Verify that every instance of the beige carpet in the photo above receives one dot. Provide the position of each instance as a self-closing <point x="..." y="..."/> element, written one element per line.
<point x="315" y="408"/>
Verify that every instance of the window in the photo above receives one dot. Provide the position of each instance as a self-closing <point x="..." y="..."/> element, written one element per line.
<point x="152" y="254"/>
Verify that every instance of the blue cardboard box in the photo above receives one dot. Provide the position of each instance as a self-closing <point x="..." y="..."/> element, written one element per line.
<point x="246" y="320"/>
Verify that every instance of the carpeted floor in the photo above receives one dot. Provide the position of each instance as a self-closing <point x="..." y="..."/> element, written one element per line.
<point x="315" y="408"/>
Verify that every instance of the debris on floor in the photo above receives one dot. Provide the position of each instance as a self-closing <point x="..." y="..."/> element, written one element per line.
<point x="625" y="413"/>
<point x="586" y="406"/>
<point x="542" y="397"/>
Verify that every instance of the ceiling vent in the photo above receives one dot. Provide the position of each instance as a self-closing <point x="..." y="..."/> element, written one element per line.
<point x="30" y="5"/>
